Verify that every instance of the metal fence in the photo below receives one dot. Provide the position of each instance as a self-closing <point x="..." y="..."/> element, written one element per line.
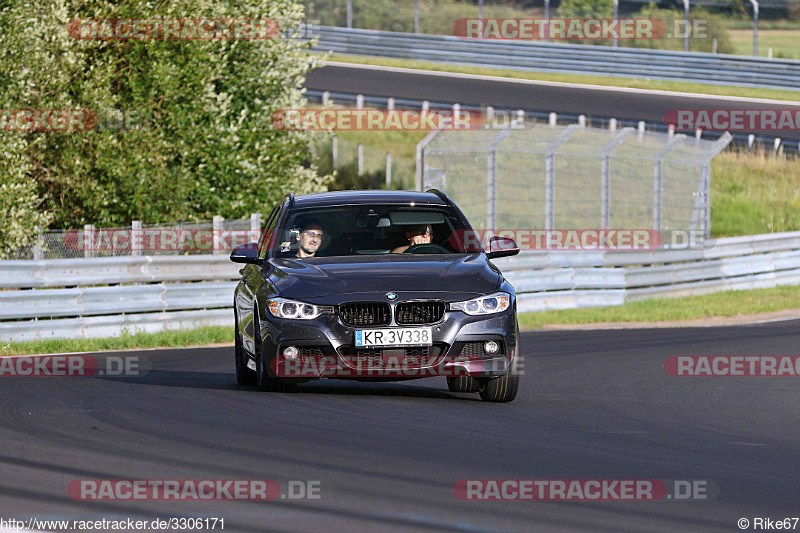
<point x="218" y="236"/>
<point x="549" y="177"/>
<point x="743" y="71"/>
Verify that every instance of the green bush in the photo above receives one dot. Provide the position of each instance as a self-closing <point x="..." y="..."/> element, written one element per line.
<point x="586" y="9"/>
<point x="205" y="145"/>
<point x="19" y="202"/>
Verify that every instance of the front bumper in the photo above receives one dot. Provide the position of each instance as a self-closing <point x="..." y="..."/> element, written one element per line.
<point x="326" y="347"/>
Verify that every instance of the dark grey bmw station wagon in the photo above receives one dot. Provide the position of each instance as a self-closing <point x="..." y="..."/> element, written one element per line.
<point x="375" y="286"/>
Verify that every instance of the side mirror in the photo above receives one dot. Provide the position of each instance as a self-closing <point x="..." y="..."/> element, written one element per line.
<point x="246" y="253"/>
<point x="501" y="247"/>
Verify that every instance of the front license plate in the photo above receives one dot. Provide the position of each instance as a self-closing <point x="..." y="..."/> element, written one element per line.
<point x="394" y="337"/>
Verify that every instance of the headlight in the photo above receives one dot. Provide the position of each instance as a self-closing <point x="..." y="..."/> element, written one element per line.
<point x="485" y="305"/>
<point x="283" y="308"/>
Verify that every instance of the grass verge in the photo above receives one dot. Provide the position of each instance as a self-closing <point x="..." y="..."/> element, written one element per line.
<point x="754" y="192"/>
<point x="720" y="304"/>
<point x="607" y="81"/>
<point x="784" y="43"/>
<point x="162" y="339"/>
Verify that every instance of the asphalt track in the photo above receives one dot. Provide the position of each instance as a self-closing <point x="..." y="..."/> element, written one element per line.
<point x="516" y="94"/>
<point x="592" y="405"/>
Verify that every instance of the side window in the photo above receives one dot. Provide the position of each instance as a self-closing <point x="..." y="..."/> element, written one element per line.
<point x="269" y="231"/>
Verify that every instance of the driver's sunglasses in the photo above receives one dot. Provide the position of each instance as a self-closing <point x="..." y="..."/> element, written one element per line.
<point x="421" y="232"/>
<point x="315" y="234"/>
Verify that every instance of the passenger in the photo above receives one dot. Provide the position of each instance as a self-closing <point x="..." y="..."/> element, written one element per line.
<point x="422" y="234"/>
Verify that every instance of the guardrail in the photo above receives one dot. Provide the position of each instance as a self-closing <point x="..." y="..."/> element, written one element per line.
<point x="169" y="292"/>
<point x="76" y="297"/>
<point x="698" y="67"/>
<point x="562" y="279"/>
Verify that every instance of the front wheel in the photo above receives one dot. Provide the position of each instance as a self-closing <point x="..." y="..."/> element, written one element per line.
<point x="264" y="382"/>
<point x="462" y="384"/>
<point x="502" y="389"/>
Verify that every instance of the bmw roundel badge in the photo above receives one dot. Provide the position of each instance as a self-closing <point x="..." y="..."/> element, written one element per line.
<point x="391" y="296"/>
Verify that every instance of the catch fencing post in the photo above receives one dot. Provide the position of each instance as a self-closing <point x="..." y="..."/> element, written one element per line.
<point x="419" y="171"/>
<point x="550" y="179"/>
<point x="216" y="229"/>
<point x="88" y="240"/>
<point x="491" y="177"/>
<point x="388" y="170"/>
<point x="755" y="27"/>
<point x="658" y="177"/>
<point x="546" y="20"/>
<point x="605" y="194"/>
<point x="686" y="25"/>
<point x="255" y="227"/>
<point x="334" y="151"/>
<point x="360" y="159"/>
<point x="136" y="237"/>
<point x="38" y="244"/>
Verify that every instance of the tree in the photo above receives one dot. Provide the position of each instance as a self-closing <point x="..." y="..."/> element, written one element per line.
<point x="199" y="142"/>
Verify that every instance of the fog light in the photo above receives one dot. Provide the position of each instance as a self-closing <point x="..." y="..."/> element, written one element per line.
<point x="491" y="347"/>
<point x="290" y="352"/>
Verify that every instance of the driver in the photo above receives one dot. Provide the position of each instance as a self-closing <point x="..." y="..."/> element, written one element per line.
<point x="310" y="239"/>
<point x="422" y="234"/>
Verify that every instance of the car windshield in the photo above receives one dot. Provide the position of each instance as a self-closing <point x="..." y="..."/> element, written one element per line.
<point x="373" y="230"/>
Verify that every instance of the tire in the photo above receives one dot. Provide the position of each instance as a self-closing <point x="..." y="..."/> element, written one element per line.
<point x="462" y="384"/>
<point x="244" y="375"/>
<point x="264" y="382"/>
<point x="501" y="389"/>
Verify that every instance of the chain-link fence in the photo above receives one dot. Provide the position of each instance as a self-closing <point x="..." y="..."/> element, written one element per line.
<point x="218" y="236"/>
<point x="547" y="177"/>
